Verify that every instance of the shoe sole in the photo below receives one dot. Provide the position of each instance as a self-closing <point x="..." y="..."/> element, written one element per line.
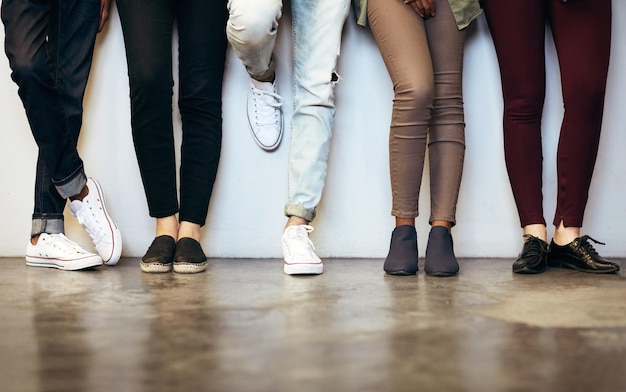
<point x="529" y="271"/>
<point x="401" y="273"/>
<point x="303" y="269"/>
<point x="441" y="274"/>
<point x="116" y="252"/>
<point x="190" y="268"/>
<point x="559" y="264"/>
<point x="77" y="265"/>
<point x="155" y="268"/>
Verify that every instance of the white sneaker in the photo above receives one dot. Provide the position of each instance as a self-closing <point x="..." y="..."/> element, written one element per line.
<point x="57" y="251"/>
<point x="265" y="116"/>
<point x="92" y="215"/>
<point x="299" y="253"/>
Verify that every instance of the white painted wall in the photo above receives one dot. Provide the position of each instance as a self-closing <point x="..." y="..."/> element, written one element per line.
<point x="246" y="219"/>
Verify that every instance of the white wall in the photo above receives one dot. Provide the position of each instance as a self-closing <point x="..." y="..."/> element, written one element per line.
<point x="245" y="217"/>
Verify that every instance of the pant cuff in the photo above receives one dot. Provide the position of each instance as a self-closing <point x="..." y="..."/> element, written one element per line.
<point x="47" y="225"/>
<point x="299" y="211"/>
<point x="74" y="186"/>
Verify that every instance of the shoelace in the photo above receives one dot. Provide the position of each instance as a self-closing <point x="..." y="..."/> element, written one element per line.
<point x="298" y="234"/>
<point x="266" y="112"/>
<point x="87" y="217"/>
<point x="534" y="245"/>
<point x="64" y="245"/>
<point x="583" y="242"/>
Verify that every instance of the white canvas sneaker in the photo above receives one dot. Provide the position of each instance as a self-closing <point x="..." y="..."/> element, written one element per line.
<point x="265" y="116"/>
<point x="299" y="252"/>
<point x="91" y="213"/>
<point x="57" y="251"/>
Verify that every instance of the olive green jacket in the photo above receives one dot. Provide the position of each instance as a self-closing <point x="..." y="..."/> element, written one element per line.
<point x="465" y="11"/>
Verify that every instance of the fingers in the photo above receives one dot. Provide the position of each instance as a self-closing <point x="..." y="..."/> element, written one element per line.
<point x="424" y="8"/>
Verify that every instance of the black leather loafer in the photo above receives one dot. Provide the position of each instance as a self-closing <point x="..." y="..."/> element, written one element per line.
<point x="580" y="256"/>
<point x="534" y="256"/>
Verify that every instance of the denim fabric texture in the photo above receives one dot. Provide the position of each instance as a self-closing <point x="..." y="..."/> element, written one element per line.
<point x="50" y="46"/>
<point x="316" y="34"/>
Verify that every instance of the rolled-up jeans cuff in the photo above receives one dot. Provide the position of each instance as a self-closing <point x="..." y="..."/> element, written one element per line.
<point x="300" y="211"/>
<point x="54" y="225"/>
<point x="72" y="187"/>
<point x="267" y="76"/>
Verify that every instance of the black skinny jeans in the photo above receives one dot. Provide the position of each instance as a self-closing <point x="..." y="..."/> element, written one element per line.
<point x="50" y="47"/>
<point x="148" y="26"/>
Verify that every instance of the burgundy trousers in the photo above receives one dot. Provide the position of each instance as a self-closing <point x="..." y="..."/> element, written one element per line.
<point x="581" y="30"/>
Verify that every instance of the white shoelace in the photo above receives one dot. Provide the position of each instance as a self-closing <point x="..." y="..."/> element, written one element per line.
<point x="91" y="219"/>
<point x="266" y="104"/>
<point x="60" y="243"/>
<point x="300" y="241"/>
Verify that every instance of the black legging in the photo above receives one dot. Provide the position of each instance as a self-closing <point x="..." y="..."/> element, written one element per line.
<point x="582" y="34"/>
<point x="148" y="26"/>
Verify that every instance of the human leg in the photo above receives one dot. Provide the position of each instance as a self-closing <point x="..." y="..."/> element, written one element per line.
<point x="317" y="28"/>
<point x="51" y="71"/>
<point x="401" y="38"/>
<point x="251" y="30"/>
<point x="148" y="27"/>
<point x="518" y="31"/>
<point x="446" y="136"/>
<point x="582" y="27"/>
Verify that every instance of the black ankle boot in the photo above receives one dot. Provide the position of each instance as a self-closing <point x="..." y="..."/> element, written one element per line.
<point x="402" y="257"/>
<point x="440" y="259"/>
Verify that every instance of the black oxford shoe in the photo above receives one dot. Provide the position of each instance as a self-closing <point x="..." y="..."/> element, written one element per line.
<point x="534" y="256"/>
<point x="580" y="256"/>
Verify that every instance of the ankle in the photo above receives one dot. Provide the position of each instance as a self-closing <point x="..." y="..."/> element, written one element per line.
<point x="83" y="193"/>
<point x="189" y="230"/>
<point x="564" y="235"/>
<point x="296" y="221"/>
<point x="536" y="230"/>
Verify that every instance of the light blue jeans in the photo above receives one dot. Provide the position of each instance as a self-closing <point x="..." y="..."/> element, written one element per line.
<point x="317" y="26"/>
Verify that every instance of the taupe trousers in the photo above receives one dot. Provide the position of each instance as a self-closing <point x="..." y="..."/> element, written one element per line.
<point x="424" y="58"/>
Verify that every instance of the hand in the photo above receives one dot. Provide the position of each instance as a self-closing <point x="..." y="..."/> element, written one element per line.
<point x="424" y="8"/>
<point x="105" y="5"/>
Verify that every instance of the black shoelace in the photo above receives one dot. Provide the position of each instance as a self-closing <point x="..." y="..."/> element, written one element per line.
<point x="533" y="246"/>
<point x="584" y="244"/>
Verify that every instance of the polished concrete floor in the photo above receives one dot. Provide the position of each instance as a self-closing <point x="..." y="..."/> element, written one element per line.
<point x="244" y="326"/>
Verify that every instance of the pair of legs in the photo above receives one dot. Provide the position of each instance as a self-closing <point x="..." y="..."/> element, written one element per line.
<point x="424" y="58"/>
<point x="148" y="27"/>
<point x="316" y="38"/>
<point x="582" y="35"/>
<point x="50" y="47"/>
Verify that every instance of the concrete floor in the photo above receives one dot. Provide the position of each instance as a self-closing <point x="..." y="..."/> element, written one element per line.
<point x="244" y="326"/>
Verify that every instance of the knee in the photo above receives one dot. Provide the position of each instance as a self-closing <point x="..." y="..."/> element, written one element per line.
<point x="414" y="96"/>
<point x="26" y="69"/>
<point x="253" y="25"/>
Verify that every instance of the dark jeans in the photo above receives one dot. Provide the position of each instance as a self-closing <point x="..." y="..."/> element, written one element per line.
<point x="50" y="46"/>
<point x="582" y="34"/>
<point x="148" y="27"/>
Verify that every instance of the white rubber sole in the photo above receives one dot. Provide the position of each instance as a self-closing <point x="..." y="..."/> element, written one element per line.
<point x="304" y="269"/>
<point x="67" y="265"/>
